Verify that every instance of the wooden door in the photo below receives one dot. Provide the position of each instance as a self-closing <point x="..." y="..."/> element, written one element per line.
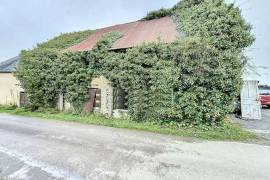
<point x="89" y="104"/>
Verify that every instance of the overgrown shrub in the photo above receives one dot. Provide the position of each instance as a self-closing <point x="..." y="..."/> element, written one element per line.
<point x="215" y="22"/>
<point x="41" y="71"/>
<point x="158" y="14"/>
<point x="36" y="72"/>
<point x="74" y="77"/>
<point x="65" y="40"/>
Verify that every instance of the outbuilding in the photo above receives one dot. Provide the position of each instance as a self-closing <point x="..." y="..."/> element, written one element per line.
<point x="10" y="91"/>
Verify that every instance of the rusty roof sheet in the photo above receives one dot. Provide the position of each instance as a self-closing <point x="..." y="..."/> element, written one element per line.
<point x="134" y="33"/>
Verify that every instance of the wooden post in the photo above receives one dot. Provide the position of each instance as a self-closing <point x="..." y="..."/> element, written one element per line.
<point x="61" y="102"/>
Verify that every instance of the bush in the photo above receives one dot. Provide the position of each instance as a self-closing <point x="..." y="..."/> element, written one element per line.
<point x="43" y="71"/>
<point x="158" y="14"/>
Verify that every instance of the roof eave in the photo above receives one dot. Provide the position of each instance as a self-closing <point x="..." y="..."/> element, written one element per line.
<point x="7" y="71"/>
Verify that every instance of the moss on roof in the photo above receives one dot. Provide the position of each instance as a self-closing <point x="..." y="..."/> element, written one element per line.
<point x="65" y="40"/>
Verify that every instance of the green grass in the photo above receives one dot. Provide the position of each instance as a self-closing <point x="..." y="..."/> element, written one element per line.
<point x="228" y="131"/>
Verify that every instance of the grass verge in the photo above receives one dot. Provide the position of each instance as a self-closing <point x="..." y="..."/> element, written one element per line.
<point x="228" y="131"/>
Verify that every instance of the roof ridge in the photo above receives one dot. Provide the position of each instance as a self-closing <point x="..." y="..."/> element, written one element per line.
<point x="138" y="21"/>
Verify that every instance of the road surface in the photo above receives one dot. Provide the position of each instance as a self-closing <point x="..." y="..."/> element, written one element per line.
<point x="42" y="149"/>
<point x="260" y="127"/>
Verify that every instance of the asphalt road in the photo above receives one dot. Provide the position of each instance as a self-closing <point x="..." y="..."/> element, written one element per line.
<point x="42" y="149"/>
<point x="260" y="127"/>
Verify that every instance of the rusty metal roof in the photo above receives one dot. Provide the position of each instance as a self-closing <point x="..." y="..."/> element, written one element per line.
<point x="134" y="33"/>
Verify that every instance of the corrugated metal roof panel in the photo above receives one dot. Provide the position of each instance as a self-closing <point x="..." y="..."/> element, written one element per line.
<point x="9" y="65"/>
<point x="134" y="34"/>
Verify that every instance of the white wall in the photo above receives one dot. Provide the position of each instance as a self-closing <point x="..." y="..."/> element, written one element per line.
<point x="9" y="89"/>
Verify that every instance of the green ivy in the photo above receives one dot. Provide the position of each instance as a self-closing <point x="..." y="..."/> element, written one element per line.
<point x="65" y="40"/>
<point x="36" y="72"/>
<point x="74" y="77"/>
<point x="43" y="71"/>
<point x="214" y="21"/>
<point x="158" y="14"/>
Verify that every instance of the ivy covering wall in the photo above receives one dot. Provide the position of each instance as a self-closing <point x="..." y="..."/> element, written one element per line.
<point x="194" y="80"/>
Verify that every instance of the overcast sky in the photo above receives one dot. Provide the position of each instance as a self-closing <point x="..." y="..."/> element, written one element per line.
<point x="23" y="23"/>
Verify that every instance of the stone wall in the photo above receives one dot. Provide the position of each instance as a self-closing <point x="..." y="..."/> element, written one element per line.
<point x="106" y="94"/>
